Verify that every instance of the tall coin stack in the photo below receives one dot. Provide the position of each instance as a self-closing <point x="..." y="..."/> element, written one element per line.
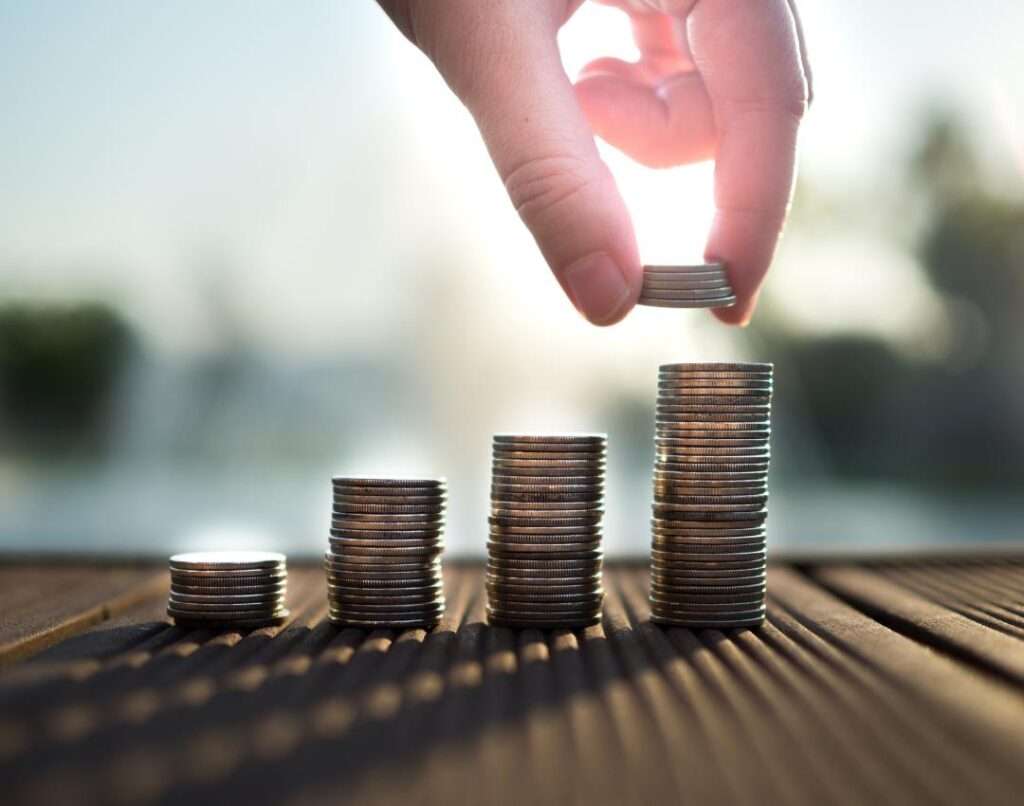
<point x="231" y="588"/>
<point x="710" y="494"/>
<point x="544" y="553"/>
<point x="705" y="285"/>
<point x="384" y="561"/>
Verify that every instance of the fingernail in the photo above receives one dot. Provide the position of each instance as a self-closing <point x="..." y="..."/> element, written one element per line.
<point x="597" y="287"/>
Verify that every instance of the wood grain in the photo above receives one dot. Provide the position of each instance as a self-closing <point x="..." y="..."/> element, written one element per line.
<point x="884" y="682"/>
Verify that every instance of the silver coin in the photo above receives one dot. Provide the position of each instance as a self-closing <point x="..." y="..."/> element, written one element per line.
<point x="380" y="481"/>
<point x="723" y="302"/>
<point x="669" y="478"/>
<point x="544" y="612"/>
<point x="535" y="453"/>
<point x="587" y="518"/>
<point x="693" y="569"/>
<point x="730" y="523"/>
<point x="708" y="530"/>
<point x="687" y="439"/>
<point x="709" y="514"/>
<point x="381" y="532"/>
<point x="688" y="385"/>
<point x="681" y="482"/>
<point x="228" y="579"/>
<point x="536" y="530"/>
<point x="227" y="560"/>
<point x="543" y="569"/>
<point x="365" y="581"/>
<point x="711" y="611"/>
<point x="389" y="497"/>
<point x="344" y="510"/>
<point x="654" y="268"/>
<point x="523" y="467"/>
<point x="718" y="503"/>
<point x="670" y="620"/>
<point x="655" y="285"/>
<point x="374" y="585"/>
<point x="546" y="509"/>
<point x="709" y="585"/>
<point x="717" y="380"/>
<point x="568" y="584"/>
<point x="386" y="541"/>
<point x="685" y="453"/>
<point x="514" y="542"/>
<point x="565" y="439"/>
<point x="699" y="435"/>
<point x="376" y="517"/>
<point x="689" y="420"/>
<point x="698" y="551"/>
<point x="718" y="366"/>
<point x="685" y="493"/>
<point x="398" y="612"/>
<point x="352" y="615"/>
<point x="709" y="603"/>
<point x="580" y="550"/>
<point x="379" y="553"/>
<point x="709" y="561"/>
<point x="229" y="598"/>
<point x="235" y="623"/>
<point x="727" y="469"/>
<point x="395" y="562"/>
<point x="342" y="599"/>
<point x="589" y="487"/>
<point x="230" y="590"/>
<point x="578" y="499"/>
<point x="226" y="616"/>
<point x="722" y="290"/>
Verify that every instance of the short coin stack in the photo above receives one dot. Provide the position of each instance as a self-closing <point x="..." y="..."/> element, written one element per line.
<point x="704" y="285"/>
<point x="232" y="588"/>
<point x="384" y="562"/>
<point x="710" y="494"/>
<point x="544" y="553"/>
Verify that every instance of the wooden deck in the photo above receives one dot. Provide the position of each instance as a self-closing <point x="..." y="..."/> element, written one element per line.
<point x="889" y="682"/>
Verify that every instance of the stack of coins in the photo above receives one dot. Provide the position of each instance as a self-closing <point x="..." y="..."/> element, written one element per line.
<point x="384" y="561"/>
<point x="544" y="553"/>
<point x="710" y="494"/>
<point x="233" y="588"/>
<point x="704" y="285"/>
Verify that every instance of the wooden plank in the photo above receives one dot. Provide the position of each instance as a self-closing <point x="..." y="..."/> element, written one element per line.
<point x="984" y="712"/>
<point x="69" y="603"/>
<point x="945" y="628"/>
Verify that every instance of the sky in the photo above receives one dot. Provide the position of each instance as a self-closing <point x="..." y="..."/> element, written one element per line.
<point x="303" y="163"/>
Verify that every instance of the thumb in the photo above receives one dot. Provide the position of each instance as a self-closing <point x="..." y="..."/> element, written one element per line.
<point x="514" y="85"/>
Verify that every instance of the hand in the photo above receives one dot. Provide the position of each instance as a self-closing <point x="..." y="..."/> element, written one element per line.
<point x="722" y="79"/>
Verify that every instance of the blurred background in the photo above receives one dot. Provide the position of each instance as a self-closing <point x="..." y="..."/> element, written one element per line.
<point x="248" y="245"/>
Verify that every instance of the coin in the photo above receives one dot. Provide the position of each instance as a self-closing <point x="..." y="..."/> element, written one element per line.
<point x="723" y="302"/>
<point x="546" y="511"/>
<point x="378" y="481"/>
<point x="344" y="510"/>
<point x="598" y="440"/>
<point x="227" y="560"/>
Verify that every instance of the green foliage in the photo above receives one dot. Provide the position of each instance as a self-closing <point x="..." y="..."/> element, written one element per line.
<point x="58" y="368"/>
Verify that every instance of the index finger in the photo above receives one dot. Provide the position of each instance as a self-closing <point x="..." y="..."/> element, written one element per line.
<point x="748" y="56"/>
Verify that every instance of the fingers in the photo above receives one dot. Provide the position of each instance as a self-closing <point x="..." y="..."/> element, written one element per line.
<point x="748" y="56"/>
<point x="504" y="64"/>
<point x="656" y="110"/>
<point x="667" y="124"/>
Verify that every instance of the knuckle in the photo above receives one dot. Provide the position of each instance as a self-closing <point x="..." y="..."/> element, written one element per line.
<point x="540" y="185"/>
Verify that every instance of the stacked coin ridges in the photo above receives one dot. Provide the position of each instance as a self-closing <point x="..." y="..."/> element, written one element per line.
<point x="234" y="588"/>
<point x="544" y="550"/>
<point x="710" y="494"/>
<point x="384" y="561"/>
<point x="705" y="285"/>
